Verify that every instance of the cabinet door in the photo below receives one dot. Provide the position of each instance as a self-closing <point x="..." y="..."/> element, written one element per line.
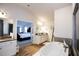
<point x="8" y="48"/>
<point x="3" y="48"/>
<point x="37" y="40"/>
<point x="1" y="51"/>
<point x="12" y="48"/>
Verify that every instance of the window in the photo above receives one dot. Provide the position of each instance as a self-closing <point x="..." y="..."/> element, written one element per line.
<point x="20" y="29"/>
<point x="25" y="29"/>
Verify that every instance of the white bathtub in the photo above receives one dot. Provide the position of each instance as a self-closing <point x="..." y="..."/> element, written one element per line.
<point x="52" y="49"/>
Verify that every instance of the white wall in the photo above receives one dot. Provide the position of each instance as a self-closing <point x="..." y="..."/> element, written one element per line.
<point x="63" y="22"/>
<point x="44" y="24"/>
<point x="16" y="12"/>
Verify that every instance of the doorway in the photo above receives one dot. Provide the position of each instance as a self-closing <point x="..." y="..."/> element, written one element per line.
<point x="24" y="33"/>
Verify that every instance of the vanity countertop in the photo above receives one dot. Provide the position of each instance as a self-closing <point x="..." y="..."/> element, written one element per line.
<point x="6" y="39"/>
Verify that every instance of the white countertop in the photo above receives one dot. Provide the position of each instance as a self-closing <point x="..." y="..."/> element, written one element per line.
<point x="6" y="39"/>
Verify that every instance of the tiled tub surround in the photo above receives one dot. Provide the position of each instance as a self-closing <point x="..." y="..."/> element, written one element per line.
<point x="69" y="42"/>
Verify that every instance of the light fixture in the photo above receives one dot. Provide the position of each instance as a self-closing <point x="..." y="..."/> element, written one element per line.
<point x="28" y="5"/>
<point x="2" y="14"/>
<point x="40" y="23"/>
<point x="42" y="19"/>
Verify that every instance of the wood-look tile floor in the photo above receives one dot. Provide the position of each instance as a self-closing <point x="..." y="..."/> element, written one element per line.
<point x="29" y="50"/>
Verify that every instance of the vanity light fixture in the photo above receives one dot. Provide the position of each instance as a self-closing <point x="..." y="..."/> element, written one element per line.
<point x="40" y="23"/>
<point x="2" y="14"/>
<point x="28" y="5"/>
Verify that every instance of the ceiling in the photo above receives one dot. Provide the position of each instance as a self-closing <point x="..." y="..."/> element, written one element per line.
<point x="44" y="8"/>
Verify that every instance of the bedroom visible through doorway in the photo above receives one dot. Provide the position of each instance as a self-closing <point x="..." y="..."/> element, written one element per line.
<point x="24" y="33"/>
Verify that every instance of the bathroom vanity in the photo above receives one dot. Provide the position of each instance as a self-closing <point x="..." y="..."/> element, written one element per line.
<point x="8" y="47"/>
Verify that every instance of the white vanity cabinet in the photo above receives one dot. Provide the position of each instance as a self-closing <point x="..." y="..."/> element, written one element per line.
<point x="40" y="38"/>
<point x="8" y="48"/>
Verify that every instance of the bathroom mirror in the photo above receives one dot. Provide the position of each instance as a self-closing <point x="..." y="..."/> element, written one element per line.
<point x="5" y="28"/>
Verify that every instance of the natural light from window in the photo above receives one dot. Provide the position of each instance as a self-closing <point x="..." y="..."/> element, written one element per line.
<point x="20" y="29"/>
<point x="25" y="29"/>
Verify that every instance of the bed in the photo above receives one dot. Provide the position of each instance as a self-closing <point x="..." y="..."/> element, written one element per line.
<point x="53" y="49"/>
<point x="23" y="36"/>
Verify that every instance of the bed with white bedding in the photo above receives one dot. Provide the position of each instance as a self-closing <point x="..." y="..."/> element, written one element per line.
<point x="23" y="36"/>
<point x="53" y="49"/>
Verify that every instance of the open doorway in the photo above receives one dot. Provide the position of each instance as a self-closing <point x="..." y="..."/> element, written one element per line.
<point x="24" y="33"/>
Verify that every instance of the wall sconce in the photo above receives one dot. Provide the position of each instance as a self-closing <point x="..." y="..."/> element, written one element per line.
<point x="42" y="19"/>
<point x="3" y="14"/>
<point x="39" y="23"/>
